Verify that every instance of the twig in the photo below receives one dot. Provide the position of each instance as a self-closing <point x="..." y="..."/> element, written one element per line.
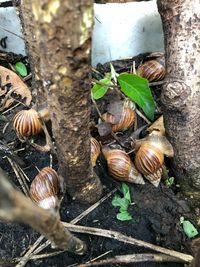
<point x="24" y="260"/>
<point x="156" y="83"/>
<point x="133" y="258"/>
<point x="12" y="33"/>
<point x="20" y="177"/>
<point x="14" y="206"/>
<point x="142" y="116"/>
<point x="74" y="221"/>
<point x="48" y="142"/>
<point x="126" y="239"/>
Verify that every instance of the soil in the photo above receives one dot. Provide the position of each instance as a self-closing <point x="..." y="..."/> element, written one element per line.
<point x="156" y="212"/>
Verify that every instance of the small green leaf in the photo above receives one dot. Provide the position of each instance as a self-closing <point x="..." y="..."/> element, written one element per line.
<point x="124" y="216"/>
<point x="169" y="181"/>
<point x="115" y="201"/>
<point x="120" y="202"/>
<point x="126" y="192"/>
<point x="21" y="69"/>
<point x="137" y="89"/>
<point x="188" y="228"/>
<point x="101" y="88"/>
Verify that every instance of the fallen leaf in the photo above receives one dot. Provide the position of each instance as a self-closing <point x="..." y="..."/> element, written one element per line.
<point x="115" y="108"/>
<point x="158" y="125"/>
<point x="104" y="128"/>
<point x="12" y="84"/>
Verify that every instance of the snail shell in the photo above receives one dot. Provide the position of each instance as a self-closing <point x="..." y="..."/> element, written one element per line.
<point x="152" y="70"/>
<point x="121" y="167"/>
<point x="27" y="123"/>
<point x="44" y="188"/>
<point x="126" y="121"/>
<point x="149" y="160"/>
<point x="95" y="151"/>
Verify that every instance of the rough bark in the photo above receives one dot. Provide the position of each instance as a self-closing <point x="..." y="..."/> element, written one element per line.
<point x="181" y="92"/>
<point x="14" y="206"/>
<point x="32" y="49"/>
<point x="63" y="31"/>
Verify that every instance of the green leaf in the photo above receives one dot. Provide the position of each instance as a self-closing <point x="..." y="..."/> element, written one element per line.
<point x="188" y="228"/>
<point x="169" y="181"/>
<point x="21" y="69"/>
<point x="126" y="192"/>
<point x="123" y="203"/>
<point x="124" y="216"/>
<point x="137" y="89"/>
<point x="101" y="88"/>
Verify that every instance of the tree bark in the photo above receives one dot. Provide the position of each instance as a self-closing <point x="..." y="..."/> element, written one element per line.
<point x="32" y="49"/>
<point x="14" y="206"/>
<point x="63" y="30"/>
<point x="181" y="91"/>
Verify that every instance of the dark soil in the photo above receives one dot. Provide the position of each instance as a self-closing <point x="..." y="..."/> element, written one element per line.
<point x="156" y="213"/>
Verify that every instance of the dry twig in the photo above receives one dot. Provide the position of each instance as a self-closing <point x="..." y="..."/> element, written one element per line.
<point x="133" y="258"/>
<point x="126" y="239"/>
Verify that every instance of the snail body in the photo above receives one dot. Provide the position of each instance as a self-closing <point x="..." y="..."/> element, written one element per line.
<point x="152" y="70"/>
<point x="45" y="187"/>
<point x="95" y="151"/>
<point x="126" y="121"/>
<point x="27" y="123"/>
<point x="121" y="167"/>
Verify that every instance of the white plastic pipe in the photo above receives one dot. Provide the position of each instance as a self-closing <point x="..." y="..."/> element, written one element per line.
<point x="125" y="30"/>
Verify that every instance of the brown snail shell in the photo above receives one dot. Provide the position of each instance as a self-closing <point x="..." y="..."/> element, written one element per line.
<point x="121" y="167"/>
<point x="45" y="187"/>
<point x="152" y="70"/>
<point x="95" y="150"/>
<point x="27" y="123"/>
<point x="149" y="160"/>
<point x="126" y="121"/>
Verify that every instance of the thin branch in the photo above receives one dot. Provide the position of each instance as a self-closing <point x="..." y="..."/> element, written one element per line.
<point x="126" y="239"/>
<point x="14" y="206"/>
<point x="133" y="258"/>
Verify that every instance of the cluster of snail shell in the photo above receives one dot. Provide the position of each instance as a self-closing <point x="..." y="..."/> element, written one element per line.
<point x="148" y="162"/>
<point x="149" y="153"/>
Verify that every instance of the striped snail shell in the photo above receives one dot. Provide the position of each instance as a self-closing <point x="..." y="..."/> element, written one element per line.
<point x="152" y="70"/>
<point x="27" y="123"/>
<point x="149" y="160"/>
<point x="126" y="121"/>
<point x="121" y="167"/>
<point x="45" y="187"/>
<point x="95" y="151"/>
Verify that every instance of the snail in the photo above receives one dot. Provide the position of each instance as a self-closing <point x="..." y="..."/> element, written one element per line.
<point x="149" y="158"/>
<point x="152" y="70"/>
<point x="126" y="121"/>
<point x="121" y="167"/>
<point x="95" y="151"/>
<point x="27" y="123"/>
<point x="45" y="187"/>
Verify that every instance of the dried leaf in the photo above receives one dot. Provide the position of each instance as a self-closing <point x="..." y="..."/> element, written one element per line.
<point x="16" y="85"/>
<point x="104" y="128"/>
<point x="158" y="125"/>
<point x="115" y="108"/>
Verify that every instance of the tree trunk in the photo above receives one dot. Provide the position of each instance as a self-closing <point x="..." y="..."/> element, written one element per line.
<point x="181" y="91"/>
<point x="32" y="47"/>
<point x="63" y="29"/>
